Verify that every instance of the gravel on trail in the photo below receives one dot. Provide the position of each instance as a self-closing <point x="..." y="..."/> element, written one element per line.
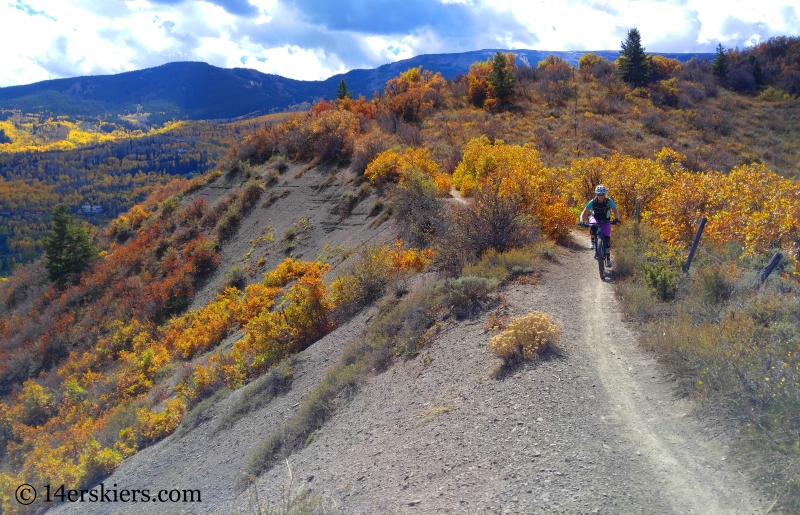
<point x="590" y="427"/>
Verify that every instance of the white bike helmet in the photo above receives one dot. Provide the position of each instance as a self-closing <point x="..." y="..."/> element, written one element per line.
<point x="600" y="190"/>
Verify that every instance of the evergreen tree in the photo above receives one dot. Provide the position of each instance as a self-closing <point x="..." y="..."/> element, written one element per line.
<point x="634" y="65"/>
<point x="758" y="73"/>
<point x="68" y="248"/>
<point x="341" y="91"/>
<point x="720" y="67"/>
<point x="501" y="78"/>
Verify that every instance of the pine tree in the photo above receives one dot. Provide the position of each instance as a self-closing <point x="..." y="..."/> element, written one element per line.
<point x="758" y="73"/>
<point x="68" y="248"/>
<point x="720" y="67"/>
<point x="341" y="91"/>
<point x="634" y="65"/>
<point x="502" y="78"/>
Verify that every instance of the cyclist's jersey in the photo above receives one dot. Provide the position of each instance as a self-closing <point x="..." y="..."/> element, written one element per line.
<point x="601" y="210"/>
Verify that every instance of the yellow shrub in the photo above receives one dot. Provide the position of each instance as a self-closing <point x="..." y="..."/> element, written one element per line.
<point x="154" y="426"/>
<point x="528" y="335"/>
<point x="390" y="166"/>
<point x="99" y="461"/>
<point x="518" y="172"/>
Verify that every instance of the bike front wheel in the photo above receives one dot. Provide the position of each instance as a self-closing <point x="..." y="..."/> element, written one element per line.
<point x="601" y="257"/>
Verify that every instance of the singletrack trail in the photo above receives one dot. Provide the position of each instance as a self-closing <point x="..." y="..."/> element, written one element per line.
<point x="590" y="427"/>
<point x="685" y="465"/>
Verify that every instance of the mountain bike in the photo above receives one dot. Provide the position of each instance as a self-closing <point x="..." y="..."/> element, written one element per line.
<point x="601" y="247"/>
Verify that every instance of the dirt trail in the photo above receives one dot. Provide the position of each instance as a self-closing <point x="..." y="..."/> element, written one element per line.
<point x="685" y="463"/>
<point x="592" y="427"/>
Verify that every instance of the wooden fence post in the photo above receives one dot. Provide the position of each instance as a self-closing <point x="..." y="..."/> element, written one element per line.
<point x="694" y="245"/>
<point x="764" y="273"/>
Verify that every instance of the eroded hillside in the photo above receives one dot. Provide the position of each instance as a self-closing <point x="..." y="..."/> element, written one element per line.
<point x="215" y="285"/>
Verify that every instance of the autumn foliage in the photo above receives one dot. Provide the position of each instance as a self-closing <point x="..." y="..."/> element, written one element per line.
<point x="490" y="83"/>
<point x="517" y="171"/>
<point x="86" y="372"/>
<point x="750" y="205"/>
<point x="107" y="398"/>
<point x="392" y="167"/>
<point x="414" y="94"/>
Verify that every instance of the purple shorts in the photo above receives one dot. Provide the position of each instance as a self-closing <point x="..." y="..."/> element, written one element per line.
<point x="605" y="226"/>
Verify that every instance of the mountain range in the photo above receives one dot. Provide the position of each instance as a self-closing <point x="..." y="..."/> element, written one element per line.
<point x="196" y="90"/>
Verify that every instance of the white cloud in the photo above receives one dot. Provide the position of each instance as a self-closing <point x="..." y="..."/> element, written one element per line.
<point x="51" y="38"/>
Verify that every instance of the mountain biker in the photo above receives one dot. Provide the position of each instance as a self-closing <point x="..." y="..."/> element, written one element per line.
<point x="599" y="210"/>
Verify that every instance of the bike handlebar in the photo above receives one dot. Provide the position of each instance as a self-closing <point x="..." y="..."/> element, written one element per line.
<point x="612" y="222"/>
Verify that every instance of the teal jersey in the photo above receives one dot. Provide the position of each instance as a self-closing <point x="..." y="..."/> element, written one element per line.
<point x="601" y="211"/>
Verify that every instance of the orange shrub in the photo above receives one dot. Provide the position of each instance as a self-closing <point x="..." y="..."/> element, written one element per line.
<point x="477" y="82"/>
<point x="360" y="107"/>
<point x="414" y="94"/>
<point x="333" y="133"/>
<point x="517" y="171"/>
<point x="322" y="106"/>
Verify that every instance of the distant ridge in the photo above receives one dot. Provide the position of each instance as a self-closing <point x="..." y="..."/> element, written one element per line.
<point x="195" y="90"/>
<point x="367" y="81"/>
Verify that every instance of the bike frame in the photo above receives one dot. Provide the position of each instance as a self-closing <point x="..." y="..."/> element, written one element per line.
<point x="602" y="236"/>
<point x="601" y="247"/>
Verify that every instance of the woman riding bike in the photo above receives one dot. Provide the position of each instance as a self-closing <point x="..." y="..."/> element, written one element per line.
<point x="599" y="210"/>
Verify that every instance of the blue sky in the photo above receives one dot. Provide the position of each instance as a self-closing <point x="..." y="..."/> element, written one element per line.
<point x="314" y="39"/>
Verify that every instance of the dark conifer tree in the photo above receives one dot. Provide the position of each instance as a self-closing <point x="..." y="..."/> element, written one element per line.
<point x="341" y="91"/>
<point x="758" y="73"/>
<point x="634" y="65"/>
<point x="501" y="78"/>
<point x="720" y="66"/>
<point x="68" y="248"/>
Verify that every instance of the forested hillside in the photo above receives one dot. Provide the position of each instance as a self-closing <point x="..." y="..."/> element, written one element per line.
<point x="100" y="363"/>
<point x="97" y="181"/>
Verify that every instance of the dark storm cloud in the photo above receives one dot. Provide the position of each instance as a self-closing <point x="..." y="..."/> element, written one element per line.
<point x="236" y="7"/>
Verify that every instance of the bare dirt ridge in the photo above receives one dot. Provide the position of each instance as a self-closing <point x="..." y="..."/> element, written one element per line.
<point x="591" y="427"/>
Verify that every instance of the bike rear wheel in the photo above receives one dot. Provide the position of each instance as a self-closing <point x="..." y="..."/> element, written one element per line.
<point x="601" y="256"/>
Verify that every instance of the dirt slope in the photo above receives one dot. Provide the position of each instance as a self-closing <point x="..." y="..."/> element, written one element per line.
<point x="590" y="428"/>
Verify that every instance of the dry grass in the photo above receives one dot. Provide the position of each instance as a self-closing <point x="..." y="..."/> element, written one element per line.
<point x="734" y="348"/>
<point x="716" y="129"/>
<point x="526" y="335"/>
<point x="438" y="410"/>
